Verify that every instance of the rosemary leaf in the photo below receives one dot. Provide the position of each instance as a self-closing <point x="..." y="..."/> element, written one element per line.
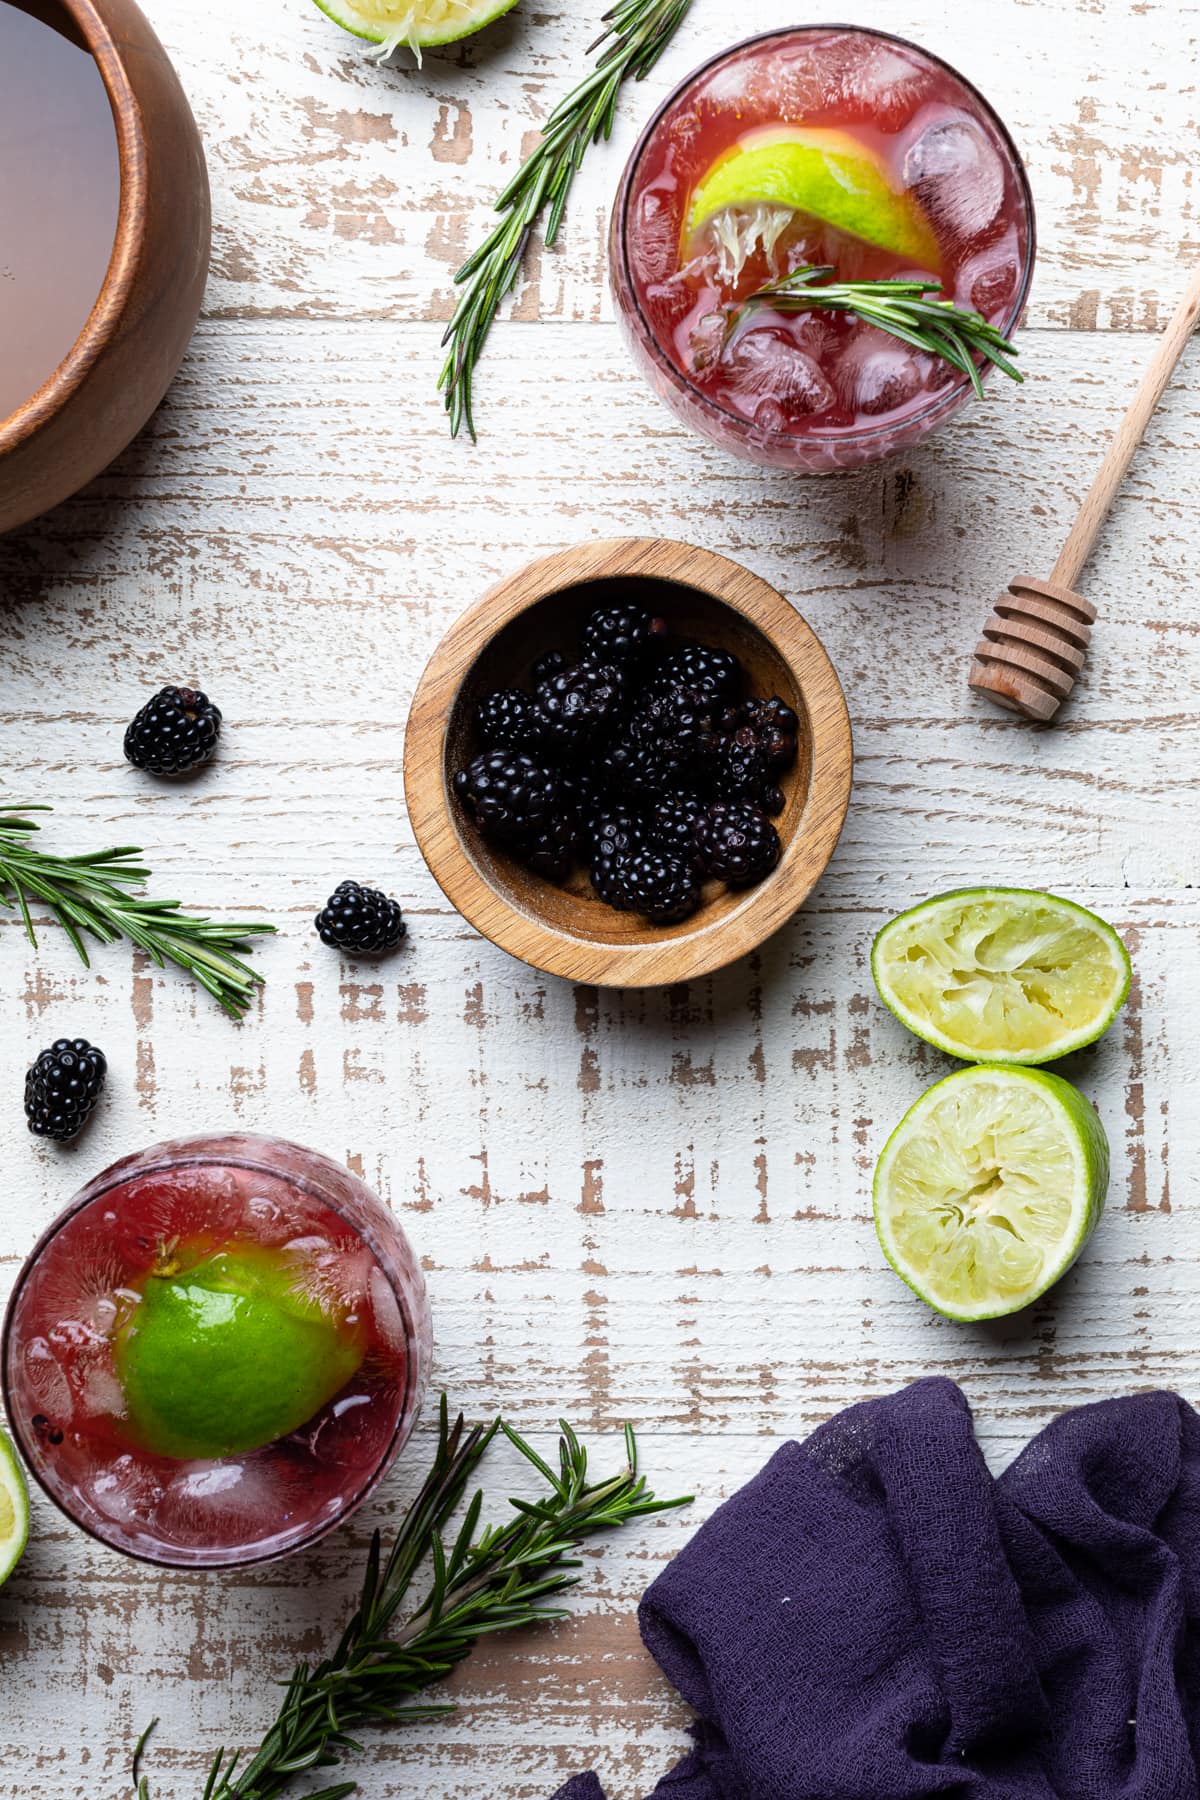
<point x="496" y="1581"/>
<point x="97" y="894"/>
<point x="901" y="308"/>
<point x="636" y="32"/>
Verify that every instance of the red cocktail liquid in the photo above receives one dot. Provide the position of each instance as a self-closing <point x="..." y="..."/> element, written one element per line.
<point x="340" y="1248"/>
<point x="815" y="390"/>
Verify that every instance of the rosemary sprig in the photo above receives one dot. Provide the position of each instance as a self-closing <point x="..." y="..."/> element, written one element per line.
<point x="636" y="34"/>
<point x="484" y="1581"/>
<point x="899" y="307"/>
<point x="96" y="893"/>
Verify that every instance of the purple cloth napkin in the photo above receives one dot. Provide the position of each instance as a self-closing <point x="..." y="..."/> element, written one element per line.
<point x="874" y="1617"/>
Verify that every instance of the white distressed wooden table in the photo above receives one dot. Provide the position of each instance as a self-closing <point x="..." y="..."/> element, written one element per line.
<point x="630" y="1206"/>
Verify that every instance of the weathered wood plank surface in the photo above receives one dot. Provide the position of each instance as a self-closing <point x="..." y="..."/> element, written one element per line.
<point x="645" y="1206"/>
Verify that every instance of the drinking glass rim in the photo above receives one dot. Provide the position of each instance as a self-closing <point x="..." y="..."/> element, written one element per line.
<point x="865" y="435"/>
<point x="162" y="1158"/>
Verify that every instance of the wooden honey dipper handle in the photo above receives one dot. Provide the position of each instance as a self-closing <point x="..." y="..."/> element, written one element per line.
<point x="1035" y="640"/>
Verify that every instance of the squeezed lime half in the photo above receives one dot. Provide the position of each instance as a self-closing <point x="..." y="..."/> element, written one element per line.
<point x="989" y="1188"/>
<point x="826" y="174"/>
<point x="421" y="24"/>
<point x="14" y="1509"/>
<point x="1002" y="974"/>
<point x="226" y="1355"/>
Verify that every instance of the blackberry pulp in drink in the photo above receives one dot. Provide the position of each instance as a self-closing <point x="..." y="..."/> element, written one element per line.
<point x="818" y="146"/>
<point x="217" y="1350"/>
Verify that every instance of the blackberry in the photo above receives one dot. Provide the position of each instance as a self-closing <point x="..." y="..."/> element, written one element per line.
<point x="573" y="706"/>
<point x="672" y="823"/>
<point x="736" y="842"/>
<point x="508" y="794"/>
<point x="360" y="921"/>
<point x="622" y="634"/>
<point x="553" y="851"/>
<point x="668" y="740"/>
<point x="740" y="769"/>
<point x="615" y="836"/>
<point x="662" y="886"/>
<point x="716" y="674"/>
<point x="62" y="1087"/>
<point x="584" y="795"/>
<point x="546" y="666"/>
<point x="506" y="719"/>
<point x="775" y="729"/>
<point x="174" y="732"/>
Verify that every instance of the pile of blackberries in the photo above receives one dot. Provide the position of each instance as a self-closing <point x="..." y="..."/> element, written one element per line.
<point x="644" y="762"/>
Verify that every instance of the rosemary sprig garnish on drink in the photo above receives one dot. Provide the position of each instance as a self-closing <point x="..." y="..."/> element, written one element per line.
<point x="495" y="1579"/>
<point x="636" y="34"/>
<point x="96" y="893"/>
<point x="902" y="308"/>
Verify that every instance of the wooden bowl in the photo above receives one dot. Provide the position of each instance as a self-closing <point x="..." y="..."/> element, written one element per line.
<point x="566" y="931"/>
<point x="101" y="395"/>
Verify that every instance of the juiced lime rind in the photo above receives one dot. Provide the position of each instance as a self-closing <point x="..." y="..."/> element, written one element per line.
<point x="1027" y="1055"/>
<point x="1089" y="1143"/>
<point x="824" y="173"/>
<point x="462" y="20"/>
<point x="15" y="1494"/>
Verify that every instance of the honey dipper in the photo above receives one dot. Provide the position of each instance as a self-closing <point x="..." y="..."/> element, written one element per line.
<point x="1036" y="637"/>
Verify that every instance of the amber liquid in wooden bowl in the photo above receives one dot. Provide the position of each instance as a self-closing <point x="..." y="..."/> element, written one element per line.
<point x="60" y="186"/>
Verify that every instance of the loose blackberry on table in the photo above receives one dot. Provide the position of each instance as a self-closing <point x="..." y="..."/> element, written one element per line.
<point x="645" y="762"/>
<point x="62" y="1087"/>
<point x="360" y="921"/>
<point x="174" y="733"/>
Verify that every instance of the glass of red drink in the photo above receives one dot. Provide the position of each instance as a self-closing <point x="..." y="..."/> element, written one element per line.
<point x="820" y="146"/>
<point x="324" y="1288"/>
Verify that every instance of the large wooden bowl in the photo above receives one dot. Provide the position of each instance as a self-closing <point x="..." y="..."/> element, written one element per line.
<point x="135" y="337"/>
<point x="565" y="931"/>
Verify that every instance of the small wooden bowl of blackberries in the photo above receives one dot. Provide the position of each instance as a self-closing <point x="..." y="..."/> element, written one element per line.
<point x="629" y="763"/>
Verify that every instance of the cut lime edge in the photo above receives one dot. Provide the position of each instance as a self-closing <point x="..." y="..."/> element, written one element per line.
<point x="1090" y="1134"/>
<point x="428" y="39"/>
<point x="12" y="1480"/>
<point x="1070" y="1041"/>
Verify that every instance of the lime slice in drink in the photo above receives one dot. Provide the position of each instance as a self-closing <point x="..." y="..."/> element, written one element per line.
<point x="226" y="1355"/>
<point x="1001" y="974"/>
<point x="14" y="1510"/>
<point x="827" y="174"/>
<point x="989" y="1188"/>
<point x="421" y="24"/>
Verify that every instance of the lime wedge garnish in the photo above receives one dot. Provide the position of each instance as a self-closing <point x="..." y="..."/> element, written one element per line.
<point x="989" y="1188"/>
<point x="1001" y="974"/>
<point x="827" y="174"/>
<point x="14" y="1509"/>
<point x="227" y="1355"/>
<point x="421" y="24"/>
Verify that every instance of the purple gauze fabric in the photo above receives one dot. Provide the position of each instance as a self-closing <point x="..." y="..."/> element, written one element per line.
<point x="873" y="1617"/>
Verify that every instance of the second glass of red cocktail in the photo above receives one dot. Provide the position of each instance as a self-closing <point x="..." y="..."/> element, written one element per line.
<point x="822" y="147"/>
<point x="215" y="1353"/>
